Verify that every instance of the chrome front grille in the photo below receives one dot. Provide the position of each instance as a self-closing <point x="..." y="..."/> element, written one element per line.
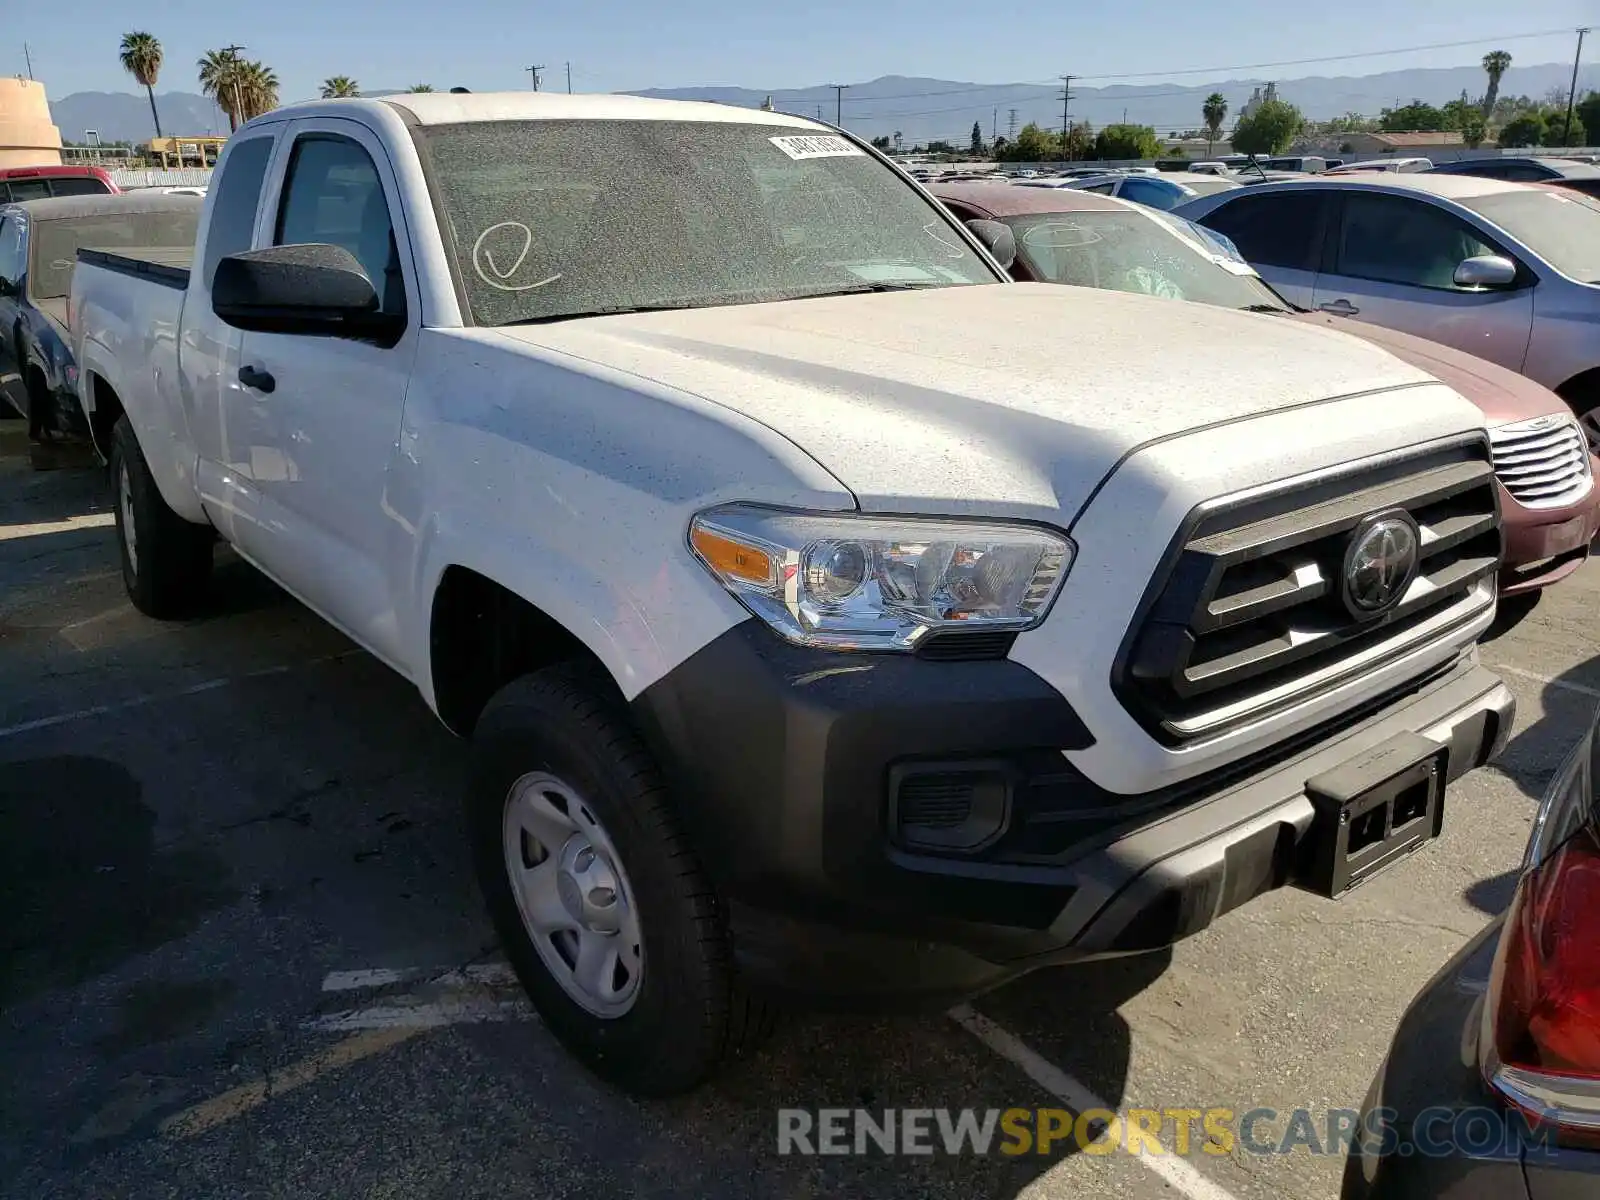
<point x="1542" y="463"/>
<point x="1252" y="615"/>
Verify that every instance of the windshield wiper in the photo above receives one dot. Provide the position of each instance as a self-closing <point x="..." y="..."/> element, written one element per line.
<point x="610" y="311"/>
<point x="863" y="289"/>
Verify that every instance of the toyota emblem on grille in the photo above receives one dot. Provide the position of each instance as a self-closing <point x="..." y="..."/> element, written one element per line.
<point x="1380" y="563"/>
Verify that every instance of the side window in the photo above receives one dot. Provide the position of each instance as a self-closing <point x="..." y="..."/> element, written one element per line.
<point x="333" y="194"/>
<point x="1104" y="189"/>
<point x="10" y="249"/>
<point x="30" y="189"/>
<point x="1145" y="191"/>
<point x="1281" y="230"/>
<point x="1394" y="239"/>
<point x="233" y="212"/>
<point x="77" y="185"/>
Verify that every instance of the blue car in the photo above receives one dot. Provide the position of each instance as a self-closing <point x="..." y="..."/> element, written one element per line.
<point x="39" y="243"/>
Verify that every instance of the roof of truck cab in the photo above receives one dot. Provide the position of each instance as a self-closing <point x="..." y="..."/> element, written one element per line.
<point x="60" y="208"/>
<point x="451" y="108"/>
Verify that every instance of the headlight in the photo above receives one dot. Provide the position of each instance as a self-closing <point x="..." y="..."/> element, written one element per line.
<point x="880" y="583"/>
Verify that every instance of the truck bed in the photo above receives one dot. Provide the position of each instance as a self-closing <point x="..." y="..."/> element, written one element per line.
<point x="168" y="266"/>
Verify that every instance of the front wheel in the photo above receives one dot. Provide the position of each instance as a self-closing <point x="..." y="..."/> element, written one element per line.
<point x="166" y="561"/>
<point x="599" y="901"/>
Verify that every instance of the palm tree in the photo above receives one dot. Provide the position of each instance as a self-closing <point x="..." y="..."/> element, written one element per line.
<point x="141" y="58"/>
<point x="259" y="84"/>
<point x="220" y="79"/>
<point x="420" y="87"/>
<point x="1215" y="111"/>
<point x="1496" y="63"/>
<point x="338" y="86"/>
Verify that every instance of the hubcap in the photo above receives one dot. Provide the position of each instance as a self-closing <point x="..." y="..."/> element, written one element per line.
<point x="130" y="538"/>
<point x="573" y="895"/>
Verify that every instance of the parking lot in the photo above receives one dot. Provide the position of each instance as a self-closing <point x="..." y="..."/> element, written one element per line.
<point x="242" y="953"/>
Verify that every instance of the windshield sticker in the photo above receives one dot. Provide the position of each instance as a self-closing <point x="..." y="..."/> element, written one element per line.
<point x="498" y="264"/>
<point x="817" y="145"/>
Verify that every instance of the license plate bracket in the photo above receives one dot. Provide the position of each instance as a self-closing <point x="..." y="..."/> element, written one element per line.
<point x="1373" y="812"/>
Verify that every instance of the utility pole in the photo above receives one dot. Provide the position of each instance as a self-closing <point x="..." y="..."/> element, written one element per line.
<point x="1566" y="133"/>
<point x="534" y="71"/>
<point x="1011" y="125"/>
<point x="238" y="99"/>
<point x="1066" y="112"/>
<point x="994" y="127"/>
<point x="569" y="79"/>
<point x="819" y="112"/>
<point x="838" y="102"/>
<point x="28" y="56"/>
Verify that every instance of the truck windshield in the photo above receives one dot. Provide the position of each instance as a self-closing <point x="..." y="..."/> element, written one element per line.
<point x="56" y="242"/>
<point x="554" y="219"/>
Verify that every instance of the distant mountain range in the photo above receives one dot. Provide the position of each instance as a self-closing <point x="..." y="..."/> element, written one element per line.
<point x="922" y="109"/>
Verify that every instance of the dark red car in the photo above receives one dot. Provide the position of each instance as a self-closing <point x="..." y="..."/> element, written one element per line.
<point x="41" y="183"/>
<point x="1548" y="498"/>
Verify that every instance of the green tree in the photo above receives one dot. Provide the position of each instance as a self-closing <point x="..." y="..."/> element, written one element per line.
<point x="881" y="143"/>
<point x="1410" y="118"/>
<point x="1588" y="112"/>
<point x="1495" y="65"/>
<point x="141" y="58"/>
<point x="1473" y="129"/>
<point x="1127" y="141"/>
<point x="1268" y="130"/>
<point x="1032" y="145"/>
<point x="1215" y="112"/>
<point x="1080" y="140"/>
<point x="420" y="87"/>
<point x="977" y="138"/>
<point x="1556" y="132"/>
<point x="338" y="86"/>
<point x="1455" y="114"/>
<point x="1526" y="130"/>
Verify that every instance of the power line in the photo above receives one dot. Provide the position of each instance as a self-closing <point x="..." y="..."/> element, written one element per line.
<point x="1045" y="86"/>
<point x="838" y="102"/>
<point x="1066" y="113"/>
<point x="1572" y="92"/>
<point x="534" y="71"/>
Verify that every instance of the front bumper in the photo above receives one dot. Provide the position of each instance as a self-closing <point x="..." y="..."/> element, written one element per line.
<point x="789" y="767"/>
<point x="1544" y="546"/>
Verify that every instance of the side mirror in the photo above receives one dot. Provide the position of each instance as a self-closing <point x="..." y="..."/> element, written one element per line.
<point x="314" y="289"/>
<point x="1486" y="271"/>
<point x="998" y="239"/>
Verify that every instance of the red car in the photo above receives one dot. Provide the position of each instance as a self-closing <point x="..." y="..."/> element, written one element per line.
<point x="41" y="183"/>
<point x="1548" y="499"/>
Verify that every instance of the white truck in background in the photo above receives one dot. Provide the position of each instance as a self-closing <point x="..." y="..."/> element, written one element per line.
<point x="830" y="616"/>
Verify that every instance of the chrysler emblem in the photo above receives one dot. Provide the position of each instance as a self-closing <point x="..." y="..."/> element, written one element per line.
<point x="1380" y="563"/>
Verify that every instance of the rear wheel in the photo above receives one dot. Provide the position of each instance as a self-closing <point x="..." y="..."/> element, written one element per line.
<point x="166" y="561"/>
<point x="601" y="905"/>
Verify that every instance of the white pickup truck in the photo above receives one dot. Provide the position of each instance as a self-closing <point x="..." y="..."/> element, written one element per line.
<point x="830" y="617"/>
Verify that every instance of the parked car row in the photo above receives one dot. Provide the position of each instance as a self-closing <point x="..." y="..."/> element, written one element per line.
<point x="1548" y="497"/>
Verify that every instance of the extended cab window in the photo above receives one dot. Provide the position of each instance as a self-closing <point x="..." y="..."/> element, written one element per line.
<point x="334" y="195"/>
<point x="78" y="185"/>
<point x="1281" y="230"/>
<point x="233" y="212"/>
<point x="1394" y="239"/>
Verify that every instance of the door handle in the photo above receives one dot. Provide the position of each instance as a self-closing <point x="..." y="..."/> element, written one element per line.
<point x="255" y="377"/>
<point x="1339" y="308"/>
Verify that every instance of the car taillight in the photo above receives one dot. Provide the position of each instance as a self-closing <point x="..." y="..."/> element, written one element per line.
<point x="1541" y="1032"/>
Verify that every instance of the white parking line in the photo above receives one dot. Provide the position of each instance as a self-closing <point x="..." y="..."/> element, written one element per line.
<point x="1535" y="677"/>
<point x="87" y="521"/>
<point x="1176" y="1173"/>
<point x="210" y="685"/>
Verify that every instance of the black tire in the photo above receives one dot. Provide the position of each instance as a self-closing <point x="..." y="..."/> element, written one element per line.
<point x="170" y="565"/>
<point x="689" y="1014"/>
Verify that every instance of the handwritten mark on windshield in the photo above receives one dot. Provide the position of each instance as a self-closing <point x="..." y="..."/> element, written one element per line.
<point x="952" y="250"/>
<point x="498" y="274"/>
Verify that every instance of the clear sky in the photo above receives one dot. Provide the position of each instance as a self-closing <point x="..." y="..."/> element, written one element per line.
<point x="629" y="44"/>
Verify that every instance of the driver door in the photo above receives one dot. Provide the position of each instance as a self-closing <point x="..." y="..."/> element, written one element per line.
<point x="1392" y="262"/>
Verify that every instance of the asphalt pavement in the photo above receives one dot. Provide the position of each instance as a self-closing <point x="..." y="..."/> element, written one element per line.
<point x="242" y="954"/>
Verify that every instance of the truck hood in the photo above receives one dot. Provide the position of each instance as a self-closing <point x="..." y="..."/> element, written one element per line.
<point x="1018" y="397"/>
<point x="1500" y="394"/>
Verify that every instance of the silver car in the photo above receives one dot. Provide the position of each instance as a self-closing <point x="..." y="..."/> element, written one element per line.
<point x="1507" y="271"/>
